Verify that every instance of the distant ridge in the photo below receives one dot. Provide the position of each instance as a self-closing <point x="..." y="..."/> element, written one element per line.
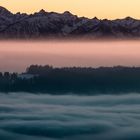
<point x="44" y="24"/>
<point x="77" y="80"/>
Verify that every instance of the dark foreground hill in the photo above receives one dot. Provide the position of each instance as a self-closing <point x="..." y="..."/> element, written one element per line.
<point x="44" y="24"/>
<point x="46" y="79"/>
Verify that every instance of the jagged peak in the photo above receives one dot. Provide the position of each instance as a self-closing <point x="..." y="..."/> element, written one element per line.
<point x="105" y="19"/>
<point x="3" y="8"/>
<point x="95" y="18"/>
<point x="4" y="11"/>
<point x="68" y="13"/>
<point x="129" y="18"/>
<point x="18" y="13"/>
<point x="42" y="11"/>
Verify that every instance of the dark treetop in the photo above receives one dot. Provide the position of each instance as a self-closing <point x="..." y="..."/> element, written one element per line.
<point x="47" y="79"/>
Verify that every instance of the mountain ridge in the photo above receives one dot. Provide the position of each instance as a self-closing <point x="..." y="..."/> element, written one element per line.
<point x="44" y="24"/>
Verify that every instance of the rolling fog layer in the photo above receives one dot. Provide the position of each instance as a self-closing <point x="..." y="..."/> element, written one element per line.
<point x="26" y="116"/>
<point x="17" y="55"/>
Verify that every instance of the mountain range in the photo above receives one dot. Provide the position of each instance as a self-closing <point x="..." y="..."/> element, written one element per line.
<point x="44" y="24"/>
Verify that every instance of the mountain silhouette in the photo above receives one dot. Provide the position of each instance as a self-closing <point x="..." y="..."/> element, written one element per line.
<point x="44" y="24"/>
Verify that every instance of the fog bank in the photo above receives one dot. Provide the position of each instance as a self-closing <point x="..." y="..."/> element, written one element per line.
<point x="25" y="116"/>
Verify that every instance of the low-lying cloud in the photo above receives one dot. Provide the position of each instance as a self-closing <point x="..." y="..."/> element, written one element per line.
<point x="26" y="116"/>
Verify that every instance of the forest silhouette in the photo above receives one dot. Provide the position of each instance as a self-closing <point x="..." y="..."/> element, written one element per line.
<point x="80" y="80"/>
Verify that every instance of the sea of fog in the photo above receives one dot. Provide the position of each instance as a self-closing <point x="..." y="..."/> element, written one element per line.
<point x="25" y="116"/>
<point x="17" y="55"/>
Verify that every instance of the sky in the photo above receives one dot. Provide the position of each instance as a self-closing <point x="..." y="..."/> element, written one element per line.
<point x="110" y="9"/>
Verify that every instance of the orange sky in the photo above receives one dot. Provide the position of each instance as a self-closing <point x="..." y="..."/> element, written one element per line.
<point x="101" y="8"/>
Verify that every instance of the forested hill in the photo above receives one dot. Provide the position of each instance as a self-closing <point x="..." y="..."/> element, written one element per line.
<point x="47" y="79"/>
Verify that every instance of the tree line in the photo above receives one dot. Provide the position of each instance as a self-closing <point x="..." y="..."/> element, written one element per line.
<point x="47" y="79"/>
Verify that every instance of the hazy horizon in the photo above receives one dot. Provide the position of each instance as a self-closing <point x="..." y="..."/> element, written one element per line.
<point x="15" y="56"/>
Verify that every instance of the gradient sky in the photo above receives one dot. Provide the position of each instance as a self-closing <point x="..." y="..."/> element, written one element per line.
<point x="90" y="8"/>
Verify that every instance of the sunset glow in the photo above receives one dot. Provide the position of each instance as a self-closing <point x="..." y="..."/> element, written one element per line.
<point x="64" y="54"/>
<point x="90" y="8"/>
